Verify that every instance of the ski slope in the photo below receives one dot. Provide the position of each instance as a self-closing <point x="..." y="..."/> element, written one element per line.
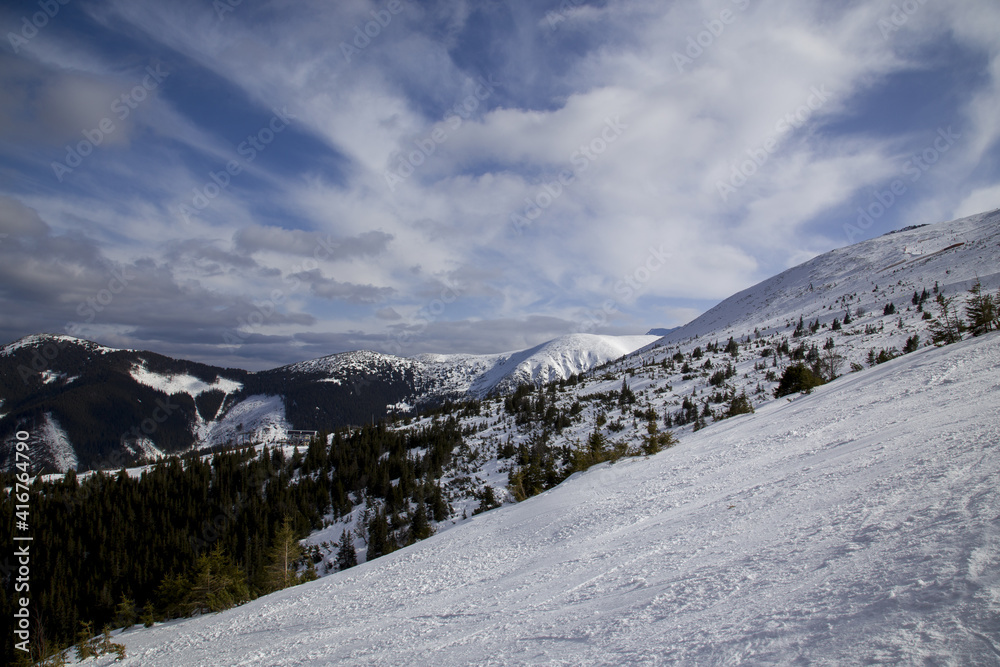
<point x="856" y="525"/>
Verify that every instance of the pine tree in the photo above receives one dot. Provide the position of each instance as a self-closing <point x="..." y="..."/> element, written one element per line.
<point x="378" y="536"/>
<point x="217" y="583"/>
<point x="125" y="613"/>
<point x="947" y="327"/>
<point x="283" y="558"/>
<point x="740" y="405"/>
<point x="85" y="641"/>
<point x="347" y="556"/>
<point x="626" y="395"/>
<point x="655" y="440"/>
<point x="981" y="310"/>
<point x="420" y="527"/>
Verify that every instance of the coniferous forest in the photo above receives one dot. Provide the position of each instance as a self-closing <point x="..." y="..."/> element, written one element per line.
<point x="195" y="534"/>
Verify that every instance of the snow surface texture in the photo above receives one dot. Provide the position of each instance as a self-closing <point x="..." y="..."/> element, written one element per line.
<point x="260" y="417"/>
<point x="49" y="444"/>
<point x="181" y="384"/>
<point x="856" y="525"/>
<point x="57" y="444"/>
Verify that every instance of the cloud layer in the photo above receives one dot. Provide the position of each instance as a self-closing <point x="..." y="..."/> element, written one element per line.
<point x="278" y="181"/>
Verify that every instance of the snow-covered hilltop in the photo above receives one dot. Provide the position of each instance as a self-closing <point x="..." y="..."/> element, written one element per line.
<point x="558" y="359"/>
<point x="76" y="379"/>
<point x="863" y="276"/>
<point x="852" y="526"/>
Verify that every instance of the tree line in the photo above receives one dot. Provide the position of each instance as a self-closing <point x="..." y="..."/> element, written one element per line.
<point x="193" y="534"/>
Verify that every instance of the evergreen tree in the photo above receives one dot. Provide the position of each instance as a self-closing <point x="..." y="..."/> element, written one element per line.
<point x="420" y="527"/>
<point x="378" y="536"/>
<point x="85" y="641"/>
<point x="125" y="614"/>
<point x="981" y="310"/>
<point x="283" y="557"/>
<point x="217" y="583"/>
<point x="626" y="396"/>
<point x="347" y="556"/>
<point x="438" y="505"/>
<point x="739" y="405"/>
<point x="947" y="327"/>
<point x="797" y="378"/>
<point x="655" y="440"/>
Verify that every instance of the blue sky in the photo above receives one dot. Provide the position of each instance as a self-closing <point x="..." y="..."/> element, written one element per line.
<point x="255" y="183"/>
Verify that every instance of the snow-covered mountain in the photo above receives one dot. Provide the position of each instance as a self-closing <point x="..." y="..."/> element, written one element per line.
<point x="864" y="276"/>
<point x="118" y="405"/>
<point x="481" y="375"/>
<point x="730" y="359"/>
<point x="852" y="526"/>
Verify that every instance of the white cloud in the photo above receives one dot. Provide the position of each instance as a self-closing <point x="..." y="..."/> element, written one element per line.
<point x="795" y="77"/>
<point x="982" y="199"/>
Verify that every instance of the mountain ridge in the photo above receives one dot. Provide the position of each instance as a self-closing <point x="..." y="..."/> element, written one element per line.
<point x="43" y="373"/>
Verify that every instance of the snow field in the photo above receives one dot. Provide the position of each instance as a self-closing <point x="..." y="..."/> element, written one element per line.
<point x="855" y="525"/>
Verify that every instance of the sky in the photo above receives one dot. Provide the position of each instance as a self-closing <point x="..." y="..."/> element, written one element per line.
<point x="250" y="184"/>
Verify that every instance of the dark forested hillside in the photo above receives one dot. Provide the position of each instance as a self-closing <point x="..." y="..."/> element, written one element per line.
<point x="121" y="548"/>
<point x="111" y="419"/>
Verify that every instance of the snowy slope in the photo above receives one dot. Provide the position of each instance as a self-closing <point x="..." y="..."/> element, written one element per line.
<point x="56" y="341"/>
<point x="874" y="272"/>
<point x="257" y="418"/>
<point x="855" y="525"/>
<point x="556" y="359"/>
<point x="181" y="383"/>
